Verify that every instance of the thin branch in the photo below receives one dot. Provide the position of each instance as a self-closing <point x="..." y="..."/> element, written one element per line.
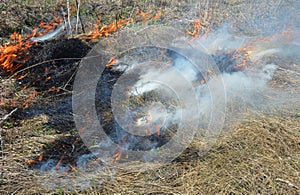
<point x="64" y="88"/>
<point x="40" y="63"/>
<point x="287" y="182"/>
<point x="64" y="16"/>
<point x="69" y="17"/>
<point x="3" y="119"/>
<point x="79" y="15"/>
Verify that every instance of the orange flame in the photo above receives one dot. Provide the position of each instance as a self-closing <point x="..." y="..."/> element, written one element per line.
<point x="47" y="27"/>
<point x="157" y="128"/>
<point x="197" y="30"/>
<point x="158" y="15"/>
<point x="119" y="149"/>
<point x="146" y="16"/>
<point x="118" y="156"/>
<point x="106" y="30"/>
<point x="11" y="53"/>
<point x="31" y="97"/>
<point x="40" y="157"/>
<point x="111" y="62"/>
<point x="30" y="161"/>
<point x="243" y="52"/>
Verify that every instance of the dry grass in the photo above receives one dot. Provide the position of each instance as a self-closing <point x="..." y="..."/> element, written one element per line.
<point x="251" y="158"/>
<point x="248" y="161"/>
<point x="258" y="152"/>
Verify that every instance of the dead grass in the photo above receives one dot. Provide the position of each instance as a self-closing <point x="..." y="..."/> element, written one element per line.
<point x="257" y="154"/>
<point x="251" y="158"/>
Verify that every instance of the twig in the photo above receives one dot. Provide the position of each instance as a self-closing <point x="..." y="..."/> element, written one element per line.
<point x="8" y="115"/>
<point x="64" y="16"/>
<point x="79" y="16"/>
<point x="40" y="63"/>
<point x="64" y="88"/>
<point x="69" y="17"/>
<point x="287" y="182"/>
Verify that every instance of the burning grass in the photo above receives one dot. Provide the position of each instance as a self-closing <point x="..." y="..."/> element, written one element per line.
<point x="12" y="54"/>
<point x="258" y="155"/>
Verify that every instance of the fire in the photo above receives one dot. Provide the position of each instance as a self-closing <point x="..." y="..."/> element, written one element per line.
<point x="118" y="151"/>
<point x="30" y="161"/>
<point x="111" y="62"/>
<point x="144" y="15"/>
<point x="40" y="157"/>
<point x="147" y="16"/>
<point x="117" y="156"/>
<point x="46" y="27"/>
<point x="25" y="104"/>
<point x="197" y="30"/>
<point x="106" y="30"/>
<point x="12" y="54"/>
<point x="157" y="128"/>
<point x="158" y="15"/>
<point x="245" y="52"/>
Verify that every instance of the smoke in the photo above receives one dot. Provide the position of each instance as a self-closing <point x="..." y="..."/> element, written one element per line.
<point x="247" y="64"/>
<point x="88" y="173"/>
<point x="165" y="89"/>
<point x="249" y="85"/>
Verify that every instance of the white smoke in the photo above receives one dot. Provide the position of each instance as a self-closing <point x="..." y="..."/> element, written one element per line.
<point x="183" y="78"/>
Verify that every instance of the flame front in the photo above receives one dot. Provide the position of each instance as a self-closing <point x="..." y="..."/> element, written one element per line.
<point x="11" y="54"/>
<point x="106" y="30"/>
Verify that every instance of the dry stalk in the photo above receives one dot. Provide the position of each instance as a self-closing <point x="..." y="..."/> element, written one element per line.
<point x="287" y="182"/>
<point x="77" y="16"/>
<point x="69" y="17"/>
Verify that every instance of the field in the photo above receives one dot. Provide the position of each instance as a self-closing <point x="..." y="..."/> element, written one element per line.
<point x="257" y="151"/>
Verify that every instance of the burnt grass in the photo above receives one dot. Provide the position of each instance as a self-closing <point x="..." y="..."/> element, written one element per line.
<point x="258" y="152"/>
